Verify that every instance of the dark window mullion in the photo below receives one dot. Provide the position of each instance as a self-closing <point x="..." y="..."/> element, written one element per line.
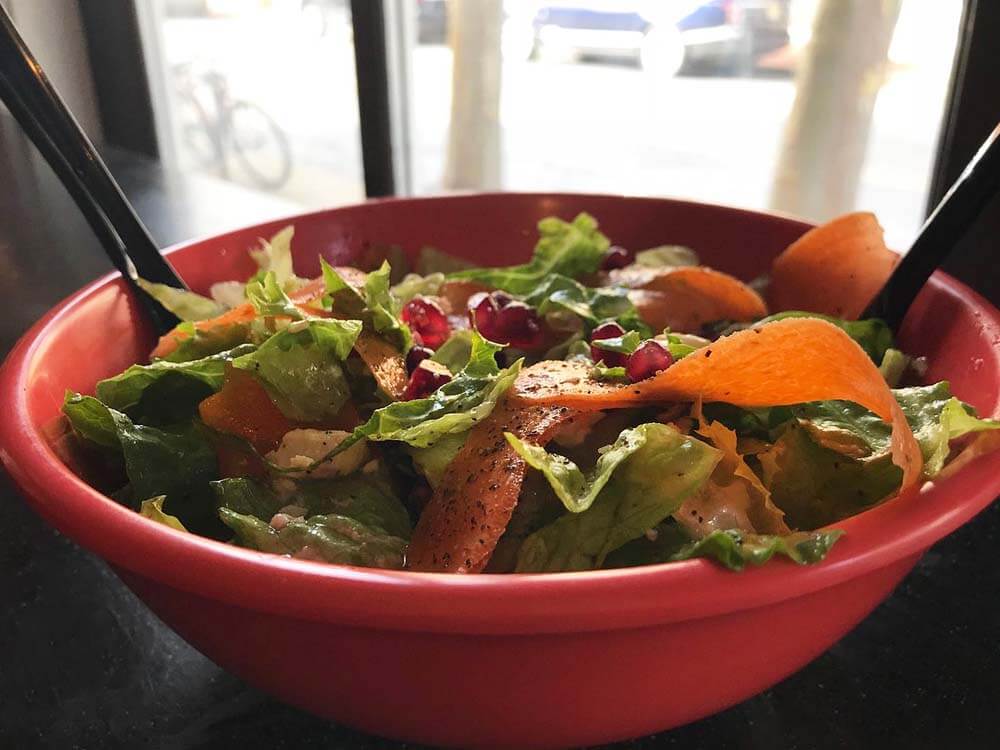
<point x="374" y="100"/>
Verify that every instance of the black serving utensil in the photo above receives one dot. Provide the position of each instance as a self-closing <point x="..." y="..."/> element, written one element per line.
<point x="43" y="115"/>
<point x="949" y="222"/>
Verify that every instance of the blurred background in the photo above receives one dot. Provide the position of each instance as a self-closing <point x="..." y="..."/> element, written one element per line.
<point x="810" y="107"/>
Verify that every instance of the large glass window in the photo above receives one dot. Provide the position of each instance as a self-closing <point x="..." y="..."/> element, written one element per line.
<point x="262" y="93"/>
<point x="813" y="107"/>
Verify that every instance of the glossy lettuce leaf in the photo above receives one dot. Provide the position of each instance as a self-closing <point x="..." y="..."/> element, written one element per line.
<point x="644" y="489"/>
<point x="433" y="460"/>
<point x="153" y="510"/>
<point x="365" y="497"/>
<point x="414" y="285"/>
<point x="373" y="303"/>
<point x="328" y="538"/>
<point x="872" y="335"/>
<point x="269" y="299"/>
<point x="166" y="383"/>
<point x="566" y="248"/>
<point x="454" y="353"/>
<point x="178" y="462"/>
<point x="731" y="548"/>
<point x="301" y="367"/>
<point x="183" y="303"/>
<point x="577" y="490"/>
<point x="736" y="549"/>
<point x="559" y="293"/>
<point x="201" y="343"/>
<point x="275" y="257"/>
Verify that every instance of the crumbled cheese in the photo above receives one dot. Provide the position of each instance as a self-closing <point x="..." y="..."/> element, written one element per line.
<point x="299" y="449"/>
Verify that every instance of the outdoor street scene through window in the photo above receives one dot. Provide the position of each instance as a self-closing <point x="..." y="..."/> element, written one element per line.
<point x="811" y="107"/>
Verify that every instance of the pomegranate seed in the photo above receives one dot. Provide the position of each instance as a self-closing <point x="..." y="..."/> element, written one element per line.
<point x="607" y="331"/>
<point x="650" y="358"/>
<point x="500" y="318"/>
<point x="520" y="326"/>
<point x="416" y="355"/>
<point x="425" y="379"/>
<point x="616" y="257"/>
<point x="427" y="320"/>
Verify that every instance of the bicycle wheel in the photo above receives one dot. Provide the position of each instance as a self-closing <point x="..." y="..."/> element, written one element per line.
<point x="260" y="145"/>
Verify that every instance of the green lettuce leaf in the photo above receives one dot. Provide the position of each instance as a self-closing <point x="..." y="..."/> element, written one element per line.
<point x="414" y="285"/>
<point x="373" y="303"/>
<point x="170" y="387"/>
<point x="433" y="460"/>
<point x="577" y="490"/>
<point x="665" y="469"/>
<point x="202" y="343"/>
<point x="153" y="510"/>
<point x="567" y="248"/>
<point x="873" y="335"/>
<point x="557" y="293"/>
<point x="736" y="549"/>
<point x="301" y="367"/>
<point x="185" y="304"/>
<point x="893" y="366"/>
<point x="454" y="353"/>
<point x="367" y="498"/>
<point x="178" y="462"/>
<point x="430" y="260"/>
<point x="330" y="538"/>
<point x="275" y="257"/>
<point x="269" y="299"/>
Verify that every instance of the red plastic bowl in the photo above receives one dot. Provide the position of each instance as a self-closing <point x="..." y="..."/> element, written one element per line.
<point x="541" y="660"/>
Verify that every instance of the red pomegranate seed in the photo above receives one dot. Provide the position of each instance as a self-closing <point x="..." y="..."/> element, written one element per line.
<point x="520" y="326"/>
<point x="650" y="358"/>
<point x="505" y="320"/>
<point x="416" y="355"/>
<point x="427" y="320"/>
<point x="607" y="331"/>
<point x="616" y="257"/>
<point x="425" y="379"/>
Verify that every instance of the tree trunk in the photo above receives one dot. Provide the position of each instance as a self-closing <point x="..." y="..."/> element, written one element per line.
<point x="473" y="157"/>
<point x="826" y="135"/>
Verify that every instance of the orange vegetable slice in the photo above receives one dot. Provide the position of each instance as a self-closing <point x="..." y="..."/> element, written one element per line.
<point x="461" y="524"/>
<point x="782" y="363"/>
<point x="687" y="297"/>
<point x="243" y="408"/>
<point x="835" y="269"/>
<point x="384" y="360"/>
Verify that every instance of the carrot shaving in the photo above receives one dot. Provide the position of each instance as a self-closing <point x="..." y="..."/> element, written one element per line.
<point x="461" y="524"/>
<point x="687" y="297"/>
<point x="782" y="363"/>
<point x="835" y="269"/>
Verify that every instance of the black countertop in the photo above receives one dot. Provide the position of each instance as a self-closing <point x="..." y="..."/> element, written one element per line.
<point x="84" y="664"/>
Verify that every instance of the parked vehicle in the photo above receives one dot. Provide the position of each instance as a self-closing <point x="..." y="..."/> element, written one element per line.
<point x="664" y="36"/>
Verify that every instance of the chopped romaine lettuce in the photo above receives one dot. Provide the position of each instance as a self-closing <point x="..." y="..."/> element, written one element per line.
<point x="158" y="383"/>
<point x="646" y="488"/>
<point x="567" y="248"/>
<point x="557" y="292"/>
<point x="327" y="538"/>
<point x="275" y="256"/>
<point x="735" y="549"/>
<point x="372" y="303"/>
<point x="300" y="367"/>
<point x="666" y="255"/>
<point x="414" y="285"/>
<point x="433" y="460"/>
<point x="185" y="304"/>
<point x="200" y="343"/>
<point x="430" y="260"/>
<point x="269" y="299"/>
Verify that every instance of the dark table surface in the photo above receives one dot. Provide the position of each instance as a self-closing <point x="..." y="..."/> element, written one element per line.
<point x="84" y="664"/>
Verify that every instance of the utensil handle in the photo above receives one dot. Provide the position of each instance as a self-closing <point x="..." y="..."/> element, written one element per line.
<point x="949" y="222"/>
<point x="50" y="125"/>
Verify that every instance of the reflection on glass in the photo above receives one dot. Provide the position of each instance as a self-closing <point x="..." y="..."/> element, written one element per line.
<point x="687" y="98"/>
<point x="261" y="93"/>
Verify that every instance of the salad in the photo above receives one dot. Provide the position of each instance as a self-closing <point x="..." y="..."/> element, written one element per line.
<point x="592" y="408"/>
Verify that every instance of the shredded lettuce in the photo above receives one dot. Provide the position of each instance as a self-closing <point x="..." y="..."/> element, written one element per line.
<point x="646" y="487"/>
<point x="185" y="304"/>
<point x="167" y="386"/>
<point x="373" y="303"/>
<point x="329" y="538"/>
<point x="301" y="367"/>
<point x="567" y="248"/>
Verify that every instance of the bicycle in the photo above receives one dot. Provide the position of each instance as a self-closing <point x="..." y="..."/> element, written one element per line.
<point x="213" y="125"/>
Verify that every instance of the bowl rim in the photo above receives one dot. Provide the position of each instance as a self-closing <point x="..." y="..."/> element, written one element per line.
<point x="448" y="603"/>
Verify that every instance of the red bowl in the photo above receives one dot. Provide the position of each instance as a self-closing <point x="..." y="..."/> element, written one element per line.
<point x="492" y="660"/>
